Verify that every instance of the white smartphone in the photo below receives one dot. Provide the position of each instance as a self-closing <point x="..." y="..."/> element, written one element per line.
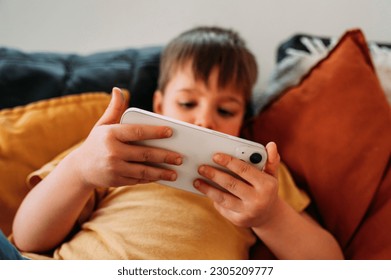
<point x="196" y="144"/>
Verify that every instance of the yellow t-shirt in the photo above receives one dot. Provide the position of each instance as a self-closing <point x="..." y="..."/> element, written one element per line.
<point x="152" y="221"/>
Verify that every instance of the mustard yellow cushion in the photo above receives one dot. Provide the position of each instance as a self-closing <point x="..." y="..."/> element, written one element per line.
<point x="32" y="135"/>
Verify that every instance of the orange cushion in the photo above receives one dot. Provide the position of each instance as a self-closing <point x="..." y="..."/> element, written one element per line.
<point x="372" y="240"/>
<point x="32" y="135"/>
<point x="333" y="132"/>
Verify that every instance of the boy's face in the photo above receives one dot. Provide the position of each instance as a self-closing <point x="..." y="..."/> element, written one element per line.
<point x="193" y="101"/>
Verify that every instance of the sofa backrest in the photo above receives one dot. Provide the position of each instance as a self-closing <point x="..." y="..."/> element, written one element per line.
<point x="28" y="77"/>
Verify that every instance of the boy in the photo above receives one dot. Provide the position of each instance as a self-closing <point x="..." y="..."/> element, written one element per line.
<point x="101" y="200"/>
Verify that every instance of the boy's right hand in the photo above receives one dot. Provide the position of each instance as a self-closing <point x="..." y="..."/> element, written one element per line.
<point x="108" y="157"/>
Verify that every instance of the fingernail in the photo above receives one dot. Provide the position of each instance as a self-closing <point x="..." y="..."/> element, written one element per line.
<point x="178" y="161"/>
<point x="173" y="177"/>
<point x="122" y="94"/>
<point x="167" y="132"/>
<point x="197" y="184"/>
<point x="168" y="176"/>
<point x="217" y="158"/>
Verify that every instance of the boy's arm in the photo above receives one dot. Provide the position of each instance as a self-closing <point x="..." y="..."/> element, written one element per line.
<point x="292" y="235"/>
<point x="51" y="208"/>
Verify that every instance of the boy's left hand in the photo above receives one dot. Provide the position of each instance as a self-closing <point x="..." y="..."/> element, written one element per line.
<point x="248" y="202"/>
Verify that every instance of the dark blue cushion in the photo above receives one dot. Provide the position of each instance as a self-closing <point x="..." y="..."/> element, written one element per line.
<point x="27" y="77"/>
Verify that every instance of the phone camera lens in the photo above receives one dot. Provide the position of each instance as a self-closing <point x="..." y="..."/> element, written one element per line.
<point x="255" y="158"/>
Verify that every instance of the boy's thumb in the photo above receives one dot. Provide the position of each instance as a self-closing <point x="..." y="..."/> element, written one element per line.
<point x="273" y="160"/>
<point x="115" y="108"/>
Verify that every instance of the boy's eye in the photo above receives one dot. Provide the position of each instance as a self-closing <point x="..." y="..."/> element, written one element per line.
<point x="225" y="113"/>
<point x="187" y="105"/>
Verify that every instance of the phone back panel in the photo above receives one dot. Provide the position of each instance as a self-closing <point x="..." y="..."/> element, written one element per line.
<point x="196" y="144"/>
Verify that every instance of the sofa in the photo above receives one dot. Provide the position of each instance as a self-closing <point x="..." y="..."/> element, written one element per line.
<point x="328" y="112"/>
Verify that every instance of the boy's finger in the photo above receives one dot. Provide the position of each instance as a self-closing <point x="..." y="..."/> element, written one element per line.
<point x="115" y="108"/>
<point x="273" y="159"/>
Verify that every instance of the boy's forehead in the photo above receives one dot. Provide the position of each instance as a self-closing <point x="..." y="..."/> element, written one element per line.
<point x="184" y="78"/>
<point x="187" y="71"/>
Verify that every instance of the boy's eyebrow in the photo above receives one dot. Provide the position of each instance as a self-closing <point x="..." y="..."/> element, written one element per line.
<point x="237" y="100"/>
<point x="190" y="90"/>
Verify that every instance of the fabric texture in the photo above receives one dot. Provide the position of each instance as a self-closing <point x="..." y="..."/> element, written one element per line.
<point x="32" y="135"/>
<point x="333" y="132"/>
<point x="27" y="77"/>
<point x="7" y="250"/>
<point x="151" y="221"/>
<point x="300" y="53"/>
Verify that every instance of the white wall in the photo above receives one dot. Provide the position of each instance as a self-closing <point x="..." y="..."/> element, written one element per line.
<point x="86" y="26"/>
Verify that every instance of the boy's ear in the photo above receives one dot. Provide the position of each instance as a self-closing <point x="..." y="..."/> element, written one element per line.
<point x="158" y="102"/>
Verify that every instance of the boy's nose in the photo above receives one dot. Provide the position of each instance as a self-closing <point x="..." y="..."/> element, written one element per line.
<point x="205" y="119"/>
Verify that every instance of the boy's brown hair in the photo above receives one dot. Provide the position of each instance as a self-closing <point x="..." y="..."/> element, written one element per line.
<point x="207" y="48"/>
